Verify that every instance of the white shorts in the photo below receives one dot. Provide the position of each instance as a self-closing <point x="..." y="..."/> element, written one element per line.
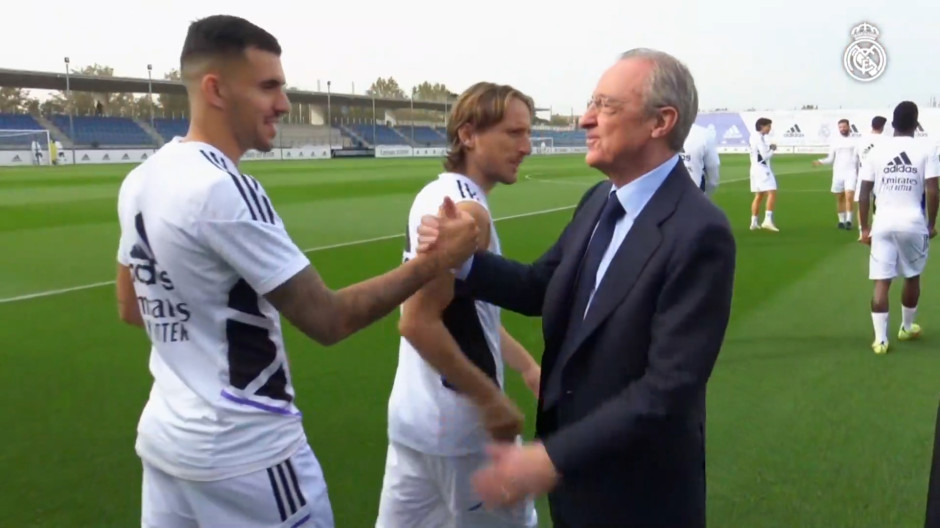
<point x="896" y="253"/>
<point x="428" y="491"/>
<point x="291" y="494"/>
<point x="844" y="182"/>
<point x="762" y="180"/>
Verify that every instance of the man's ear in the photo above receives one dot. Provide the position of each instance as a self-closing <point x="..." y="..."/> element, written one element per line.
<point x="666" y="119"/>
<point x="466" y="135"/>
<point x="213" y="89"/>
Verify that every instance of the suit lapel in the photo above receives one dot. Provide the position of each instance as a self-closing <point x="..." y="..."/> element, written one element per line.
<point x="558" y="294"/>
<point x="641" y="242"/>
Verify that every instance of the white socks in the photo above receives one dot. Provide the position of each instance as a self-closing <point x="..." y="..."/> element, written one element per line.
<point x="768" y="216"/>
<point x="880" y="321"/>
<point x="907" y="316"/>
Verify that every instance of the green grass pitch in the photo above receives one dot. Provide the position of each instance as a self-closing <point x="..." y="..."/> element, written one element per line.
<point x="807" y="427"/>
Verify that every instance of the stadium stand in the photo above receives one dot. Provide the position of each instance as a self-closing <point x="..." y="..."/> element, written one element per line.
<point x="103" y="131"/>
<point x="18" y="122"/>
<point x="424" y="136"/>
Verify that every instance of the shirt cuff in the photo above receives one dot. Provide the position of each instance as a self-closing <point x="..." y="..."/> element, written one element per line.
<point x="464" y="270"/>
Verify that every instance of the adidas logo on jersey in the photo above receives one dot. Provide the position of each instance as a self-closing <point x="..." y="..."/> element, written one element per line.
<point x="793" y="131"/>
<point x="920" y="132"/>
<point x="732" y="133"/>
<point x="900" y="163"/>
<point x="853" y="131"/>
<point x="155" y="310"/>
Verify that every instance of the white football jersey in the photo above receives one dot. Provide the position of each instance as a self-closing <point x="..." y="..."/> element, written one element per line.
<point x="426" y="413"/>
<point x="203" y="244"/>
<point x="898" y="166"/>
<point x="760" y="152"/>
<point x="842" y="155"/>
<point x="865" y="144"/>
<point x="700" y="156"/>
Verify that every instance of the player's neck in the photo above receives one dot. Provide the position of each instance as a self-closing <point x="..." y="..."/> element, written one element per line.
<point x="477" y="177"/>
<point x="217" y="135"/>
<point x="903" y="134"/>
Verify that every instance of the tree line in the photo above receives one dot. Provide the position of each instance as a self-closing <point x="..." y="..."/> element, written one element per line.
<point x="20" y="101"/>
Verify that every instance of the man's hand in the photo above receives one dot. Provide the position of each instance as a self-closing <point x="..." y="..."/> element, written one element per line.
<point x="865" y="236"/>
<point x="773" y="146"/>
<point x="514" y="473"/>
<point x="501" y="417"/>
<point x="454" y="237"/>
<point x="933" y="231"/>
<point x="816" y="163"/>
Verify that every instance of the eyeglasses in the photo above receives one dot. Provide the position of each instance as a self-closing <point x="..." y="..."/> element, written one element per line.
<point x="604" y="104"/>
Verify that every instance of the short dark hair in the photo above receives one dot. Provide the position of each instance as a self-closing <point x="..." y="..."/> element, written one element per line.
<point x="846" y="121"/>
<point x="761" y="123"/>
<point x="878" y="122"/>
<point x="905" y="116"/>
<point x="224" y="36"/>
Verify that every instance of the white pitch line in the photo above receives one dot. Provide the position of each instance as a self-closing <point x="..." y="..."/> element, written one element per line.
<point x="50" y="293"/>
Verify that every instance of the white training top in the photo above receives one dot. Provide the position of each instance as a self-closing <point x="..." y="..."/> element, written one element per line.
<point x="898" y="166"/>
<point x="842" y="156"/>
<point x="204" y="243"/>
<point x="425" y="413"/>
<point x="760" y="152"/>
<point x="700" y="156"/>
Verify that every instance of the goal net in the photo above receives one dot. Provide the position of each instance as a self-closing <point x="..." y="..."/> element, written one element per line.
<point x="36" y="143"/>
<point x="542" y="145"/>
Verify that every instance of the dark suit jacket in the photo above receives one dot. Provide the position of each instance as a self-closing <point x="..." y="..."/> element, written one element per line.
<point x="626" y="428"/>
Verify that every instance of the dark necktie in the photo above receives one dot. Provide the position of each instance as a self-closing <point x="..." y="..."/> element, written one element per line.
<point x="587" y="275"/>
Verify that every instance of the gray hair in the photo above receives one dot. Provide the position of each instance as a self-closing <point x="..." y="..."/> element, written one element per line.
<point x="669" y="84"/>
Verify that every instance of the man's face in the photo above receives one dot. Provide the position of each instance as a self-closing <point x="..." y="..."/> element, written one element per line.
<point x="616" y="122"/>
<point x="844" y="128"/>
<point x="498" y="151"/>
<point x="253" y="91"/>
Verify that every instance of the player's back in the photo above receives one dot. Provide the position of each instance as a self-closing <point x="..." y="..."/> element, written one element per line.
<point x="898" y="166"/>
<point x="866" y="143"/>
<point x="693" y="152"/>
<point x="425" y="412"/>
<point x="222" y="401"/>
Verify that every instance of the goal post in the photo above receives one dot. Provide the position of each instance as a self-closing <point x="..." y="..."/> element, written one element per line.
<point x="29" y="140"/>
<point x="542" y="145"/>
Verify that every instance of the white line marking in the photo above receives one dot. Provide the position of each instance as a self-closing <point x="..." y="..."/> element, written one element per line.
<point x="50" y="293"/>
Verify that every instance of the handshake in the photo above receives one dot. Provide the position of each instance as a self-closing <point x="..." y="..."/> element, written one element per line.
<point x="451" y="237"/>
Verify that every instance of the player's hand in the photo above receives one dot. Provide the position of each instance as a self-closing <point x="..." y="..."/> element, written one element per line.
<point x="865" y="237"/>
<point x="501" y="417"/>
<point x="932" y="231"/>
<point x="816" y="163"/>
<point x="773" y="146"/>
<point x="533" y="378"/>
<point x="453" y="235"/>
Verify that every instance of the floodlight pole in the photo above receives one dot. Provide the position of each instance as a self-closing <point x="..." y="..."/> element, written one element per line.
<point x="68" y="100"/>
<point x="150" y="91"/>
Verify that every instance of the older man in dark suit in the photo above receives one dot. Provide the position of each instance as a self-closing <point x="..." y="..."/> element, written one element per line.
<point x="635" y="298"/>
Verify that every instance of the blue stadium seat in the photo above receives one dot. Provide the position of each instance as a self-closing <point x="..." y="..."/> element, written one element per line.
<point x="169" y="128"/>
<point x="18" y="122"/>
<point x="103" y="131"/>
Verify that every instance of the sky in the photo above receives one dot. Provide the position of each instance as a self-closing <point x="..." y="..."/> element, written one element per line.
<point x="742" y="53"/>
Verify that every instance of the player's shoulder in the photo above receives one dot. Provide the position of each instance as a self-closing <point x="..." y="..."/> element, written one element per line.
<point x="214" y="187"/>
<point x="458" y="187"/>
